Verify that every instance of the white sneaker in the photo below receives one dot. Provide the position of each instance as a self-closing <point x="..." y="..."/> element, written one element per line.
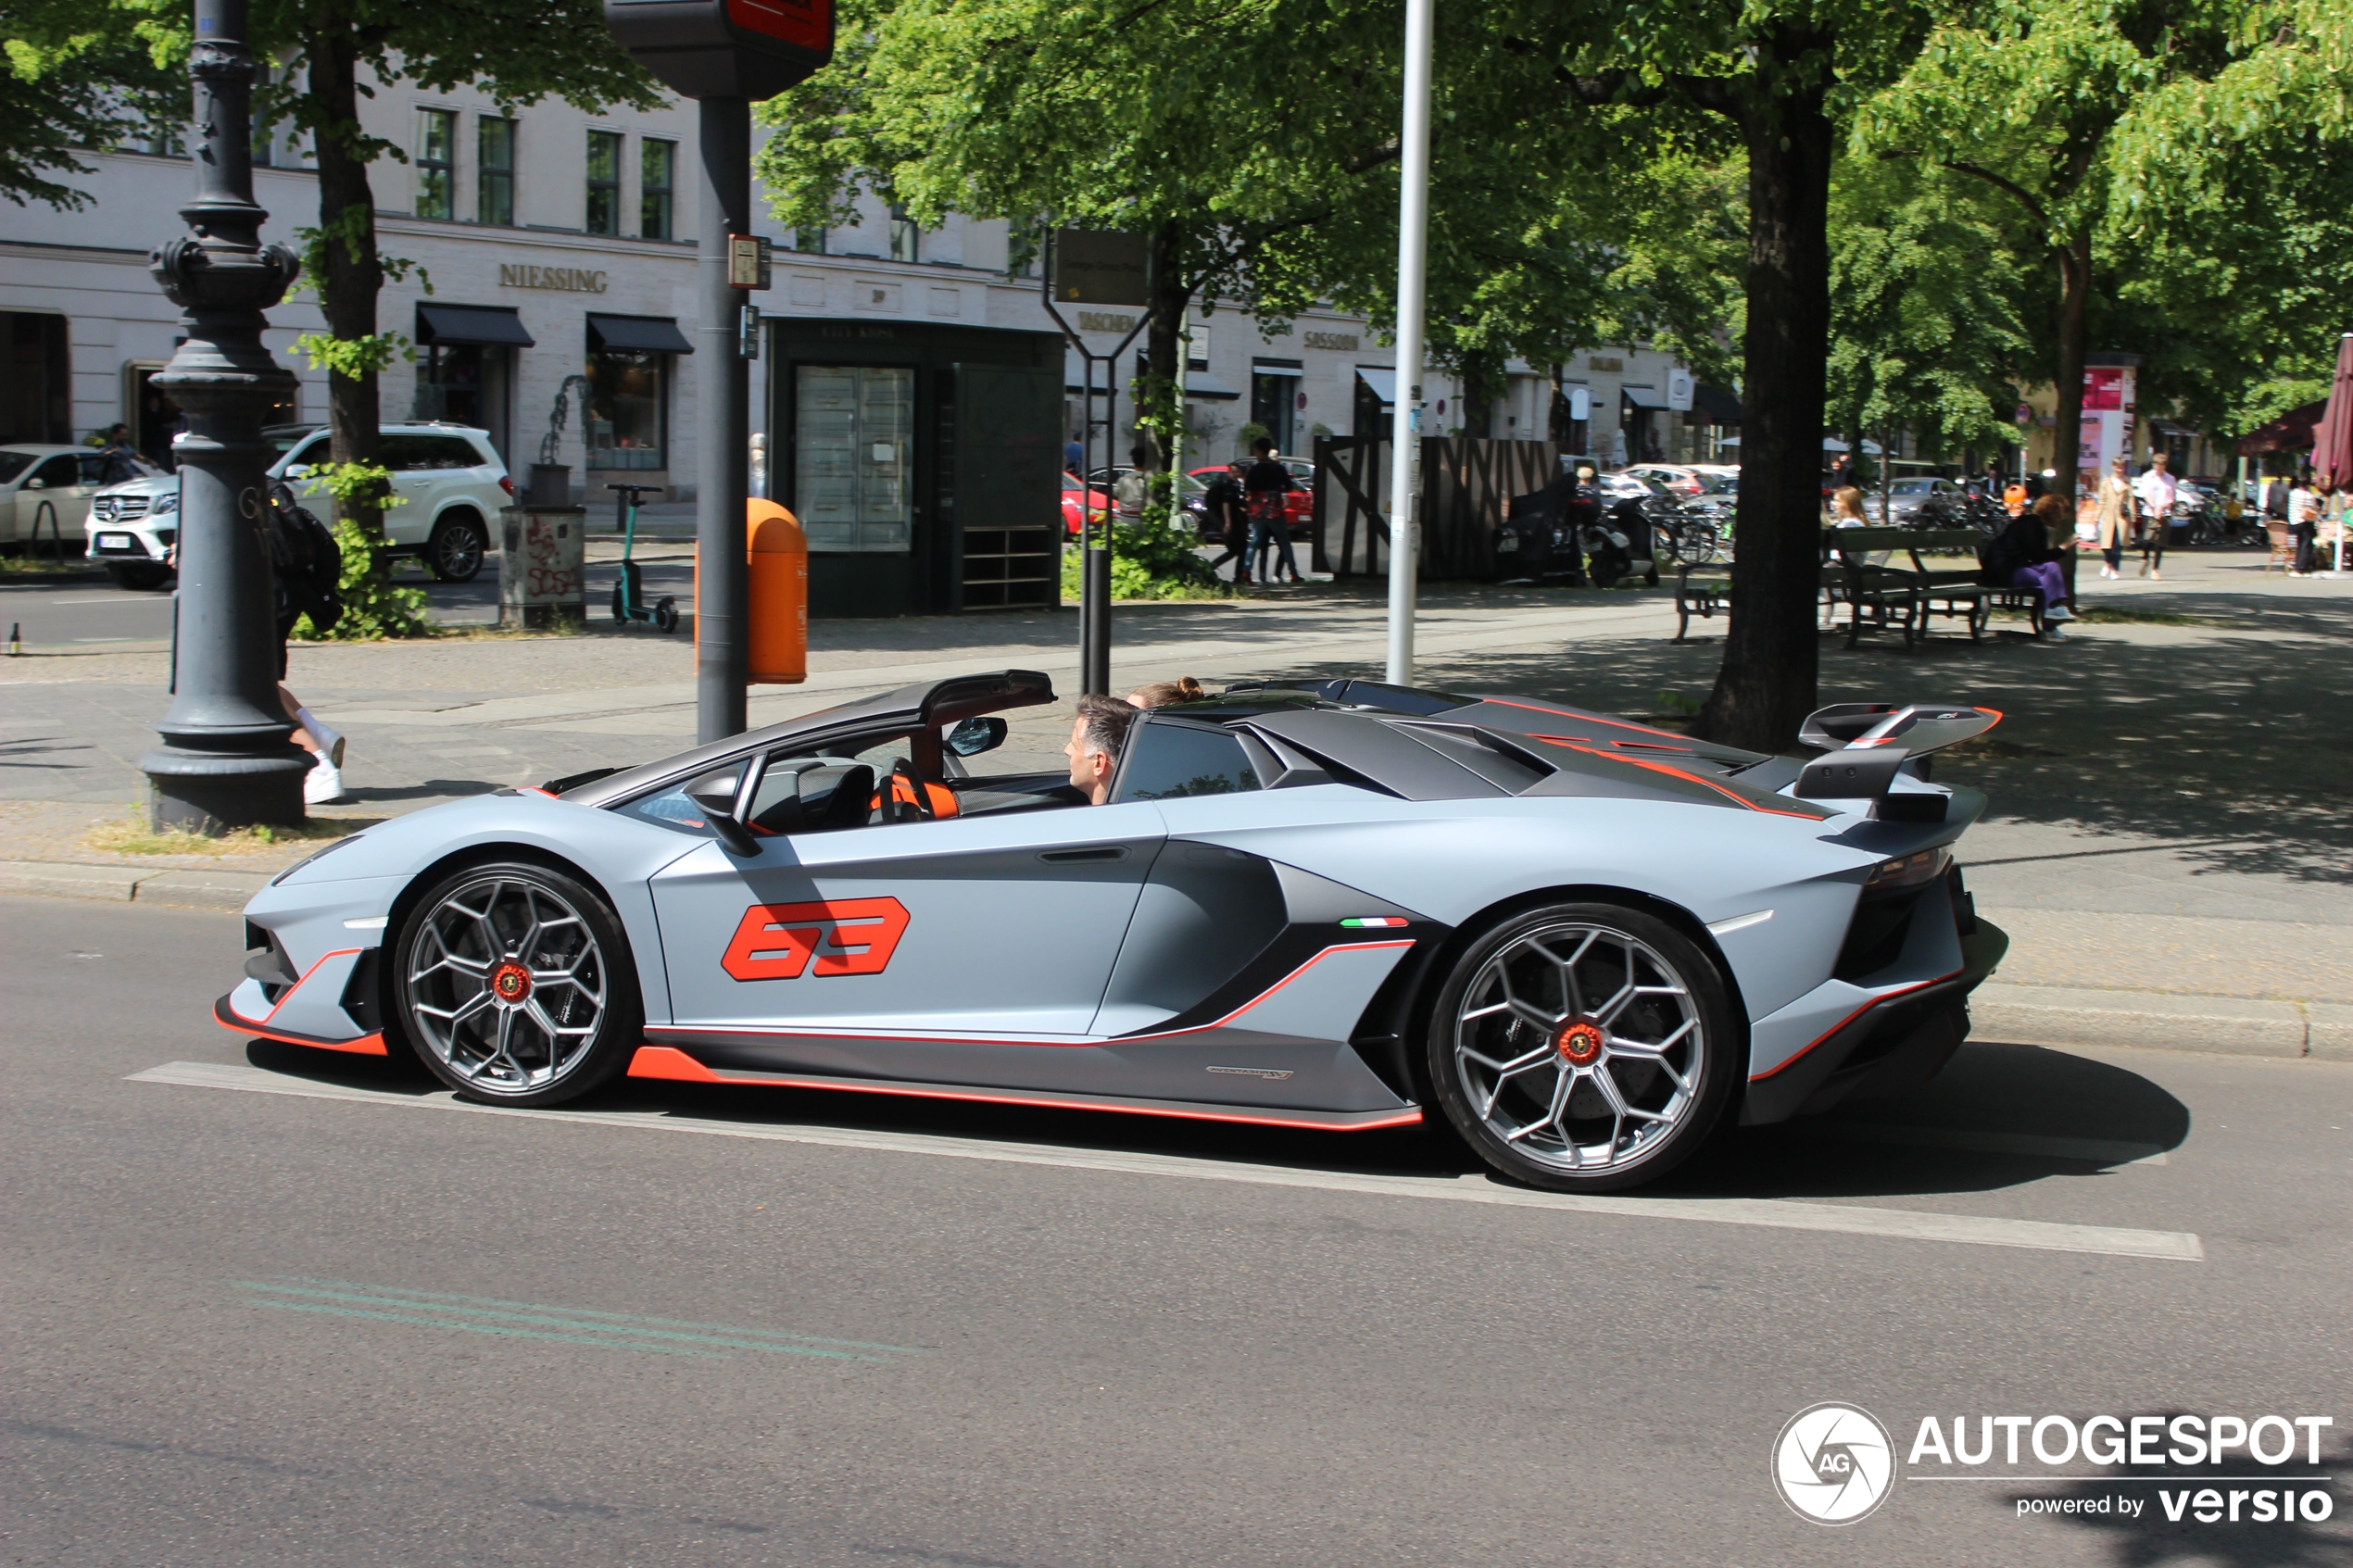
<point x="2054" y="631"/>
<point x="322" y="783"/>
<point x="2058" y="612"/>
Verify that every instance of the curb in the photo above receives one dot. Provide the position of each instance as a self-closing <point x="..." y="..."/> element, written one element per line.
<point x="173" y="889"/>
<point x="2057" y="1015"/>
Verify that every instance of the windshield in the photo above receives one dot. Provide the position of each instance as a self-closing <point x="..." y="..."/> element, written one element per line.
<point x="14" y="463"/>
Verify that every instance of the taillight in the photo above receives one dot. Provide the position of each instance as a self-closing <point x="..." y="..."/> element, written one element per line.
<point x="1907" y="871"/>
<point x="507" y="484"/>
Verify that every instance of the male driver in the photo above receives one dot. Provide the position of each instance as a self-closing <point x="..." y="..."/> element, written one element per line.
<point x="1096" y="736"/>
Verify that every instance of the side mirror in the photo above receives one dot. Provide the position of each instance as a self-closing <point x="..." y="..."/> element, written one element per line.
<point x="972" y="736"/>
<point x="715" y="792"/>
<point x="300" y="471"/>
<point x="36" y="485"/>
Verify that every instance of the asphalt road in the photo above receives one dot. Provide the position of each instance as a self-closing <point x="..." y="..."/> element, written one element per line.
<point x="82" y="615"/>
<point x="699" y="1326"/>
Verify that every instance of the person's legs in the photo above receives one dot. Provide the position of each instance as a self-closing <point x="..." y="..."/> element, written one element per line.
<point x="2304" y="534"/>
<point x="1282" y="552"/>
<point x="2049" y="585"/>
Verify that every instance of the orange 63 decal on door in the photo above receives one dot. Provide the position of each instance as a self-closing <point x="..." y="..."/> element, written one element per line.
<point x="845" y="935"/>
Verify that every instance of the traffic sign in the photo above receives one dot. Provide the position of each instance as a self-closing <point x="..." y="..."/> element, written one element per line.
<point x="1101" y="267"/>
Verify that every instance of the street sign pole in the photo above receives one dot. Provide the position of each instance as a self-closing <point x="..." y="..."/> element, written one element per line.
<point x="226" y="761"/>
<point x="723" y="472"/>
<point x="1413" y="230"/>
<point x="1111" y="269"/>
<point x="727" y="55"/>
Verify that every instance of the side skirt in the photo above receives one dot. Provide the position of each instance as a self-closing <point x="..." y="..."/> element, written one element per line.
<point x="671" y="1063"/>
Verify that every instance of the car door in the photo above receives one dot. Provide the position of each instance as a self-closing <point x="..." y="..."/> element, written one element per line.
<point x="418" y="481"/>
<point x="53" y="489"/>
<point x="962" y="930"/>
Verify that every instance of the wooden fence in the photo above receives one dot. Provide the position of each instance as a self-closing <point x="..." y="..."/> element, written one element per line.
<point x="1465" y="483"/>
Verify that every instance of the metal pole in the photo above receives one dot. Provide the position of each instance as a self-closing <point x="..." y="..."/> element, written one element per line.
<point x="226" y="761"/>
<point x="723" y="462"/>
<point x="1412" y="226"/>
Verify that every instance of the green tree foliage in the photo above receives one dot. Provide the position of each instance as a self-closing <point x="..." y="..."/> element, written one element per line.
<point x="1928" y="307"/>
<point x="73" y="85"/>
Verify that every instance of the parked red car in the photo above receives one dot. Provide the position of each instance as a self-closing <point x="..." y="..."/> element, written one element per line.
<point x="1074" y="517"/>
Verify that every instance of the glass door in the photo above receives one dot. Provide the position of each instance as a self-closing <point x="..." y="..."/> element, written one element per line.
<point x="854" y="457"/>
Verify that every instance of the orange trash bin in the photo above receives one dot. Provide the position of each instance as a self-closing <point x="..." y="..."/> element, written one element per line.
<point x="778" y="593"/>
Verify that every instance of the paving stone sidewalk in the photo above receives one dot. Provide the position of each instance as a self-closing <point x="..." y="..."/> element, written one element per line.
<point x="2167" y="843"/>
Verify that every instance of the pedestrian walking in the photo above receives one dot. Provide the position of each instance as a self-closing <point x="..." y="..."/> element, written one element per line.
<point x="2156" y="491"/>
<point x="1127" y="490"/>
<point x="1074" y="452"/>
<point x="2028" y="553"/>
<point x="1228" y="512"/>
<point x="2115" y="517"/>
<point x="2303" y="523"/>
<point x="1265" y="484"/>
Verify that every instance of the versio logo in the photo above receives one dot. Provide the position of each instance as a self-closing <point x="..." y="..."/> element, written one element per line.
<point x="1834" y="1463"/>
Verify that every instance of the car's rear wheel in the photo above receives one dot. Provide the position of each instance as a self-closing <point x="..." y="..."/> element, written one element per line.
<point x="514" y="986"/>
<point x="455" y="552"/>
<point x="1585" y="1047"/>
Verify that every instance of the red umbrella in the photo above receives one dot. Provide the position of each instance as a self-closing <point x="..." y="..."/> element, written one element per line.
<point x="2333" y="443"/>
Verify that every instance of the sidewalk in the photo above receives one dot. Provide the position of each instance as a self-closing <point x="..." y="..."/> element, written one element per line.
<point x="2167" y="843"/>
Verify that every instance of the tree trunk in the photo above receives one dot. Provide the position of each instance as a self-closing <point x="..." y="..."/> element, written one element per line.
<point x="2075" y="301"/>
<point x="1765" y="686"/>
<point x="1159" y="411"/>
<point x="353" y="274"/>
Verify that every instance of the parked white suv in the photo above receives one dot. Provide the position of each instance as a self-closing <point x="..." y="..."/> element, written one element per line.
<point x="448" y="476"/>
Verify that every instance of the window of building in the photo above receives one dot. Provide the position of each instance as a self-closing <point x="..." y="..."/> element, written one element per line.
<point x="495" y="187"/>
<point x="658" y="167"/>
<point x="604" y="183"/>
<point x="436" y="163"/>
<point x="812" y="241"/>
<point x="853" y="445"/>
<point x="627" y="408"/>
<point x="906" y="239"/>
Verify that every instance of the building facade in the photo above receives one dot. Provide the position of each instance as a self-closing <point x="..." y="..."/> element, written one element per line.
<point x="542" y="263"/>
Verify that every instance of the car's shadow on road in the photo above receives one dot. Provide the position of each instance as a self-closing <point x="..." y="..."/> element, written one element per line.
<point x="1999" y="1116"/>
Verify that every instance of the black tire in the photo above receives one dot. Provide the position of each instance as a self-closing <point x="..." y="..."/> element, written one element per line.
<point x="139" y="576"/>
<point x="572" y="1019"/>
<point x="1683" y="1086"/>
<point x="455" y="552"/>
<point x="666" y="615"/>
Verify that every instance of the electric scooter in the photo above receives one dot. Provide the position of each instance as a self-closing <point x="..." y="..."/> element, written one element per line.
<point x="628" y="598"/>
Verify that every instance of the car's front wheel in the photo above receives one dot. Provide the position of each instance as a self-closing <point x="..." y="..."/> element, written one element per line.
<point x="1585" y="1047"/>
<point x="456" y="550"/>
<point x="514" y="985"/>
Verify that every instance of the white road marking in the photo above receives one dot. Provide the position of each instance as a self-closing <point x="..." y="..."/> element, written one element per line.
<point x="2102" y="1151"/>
<point x="1772" y="1213"/>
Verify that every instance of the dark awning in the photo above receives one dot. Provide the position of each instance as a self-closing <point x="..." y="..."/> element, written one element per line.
<point x="1201" y="383"/>
<point x="1642" y="397"/>
<point x="655" y="334"/>
<point x="2292" y="432"/>
<point x="1716" y="406"/>
<point x="494" y="326"/>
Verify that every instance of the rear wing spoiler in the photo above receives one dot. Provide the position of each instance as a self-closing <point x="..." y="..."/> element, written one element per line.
<point x="1865" y="745"/>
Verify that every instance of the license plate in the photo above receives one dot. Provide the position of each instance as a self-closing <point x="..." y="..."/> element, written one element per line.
<point x="115" y="541"/>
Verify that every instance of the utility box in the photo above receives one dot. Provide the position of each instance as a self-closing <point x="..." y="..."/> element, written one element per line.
<point x="543" y="575"/>
<point x="779" y="594"/>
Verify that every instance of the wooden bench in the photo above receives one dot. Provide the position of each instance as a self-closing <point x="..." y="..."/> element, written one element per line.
<point x="1956" y="594"/>
<point x="1712" y="594"/>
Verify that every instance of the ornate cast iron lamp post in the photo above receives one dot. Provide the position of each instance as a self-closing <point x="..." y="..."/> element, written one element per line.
<point x="226" y="761"/>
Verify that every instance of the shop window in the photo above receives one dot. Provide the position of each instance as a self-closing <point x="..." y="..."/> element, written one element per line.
<point x="810" y="241"/>
<point x="658" y="169"/>
<point x="604" y="183"/>
<point x="627" y="407"/>
<point x="906" y="239"/>
<point x="853" y="457"/>
<point x="495" y="186"/>
<point x="436" y="163"/>
<point x="36" y="378"/>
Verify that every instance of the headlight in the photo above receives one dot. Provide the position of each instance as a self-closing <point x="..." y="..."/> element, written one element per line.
<point x="315" y="854"/>
<point x="1907" y="871"/>
<point x="167" y="502"/>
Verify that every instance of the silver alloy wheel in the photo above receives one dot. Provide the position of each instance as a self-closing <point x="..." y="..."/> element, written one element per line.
<point x="507" y="983"/>
<point x="458" y="550"/>
<point x="1579" y="1046"/>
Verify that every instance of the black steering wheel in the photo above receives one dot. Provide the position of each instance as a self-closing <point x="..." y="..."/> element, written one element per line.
<point x="917" y="807"/>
